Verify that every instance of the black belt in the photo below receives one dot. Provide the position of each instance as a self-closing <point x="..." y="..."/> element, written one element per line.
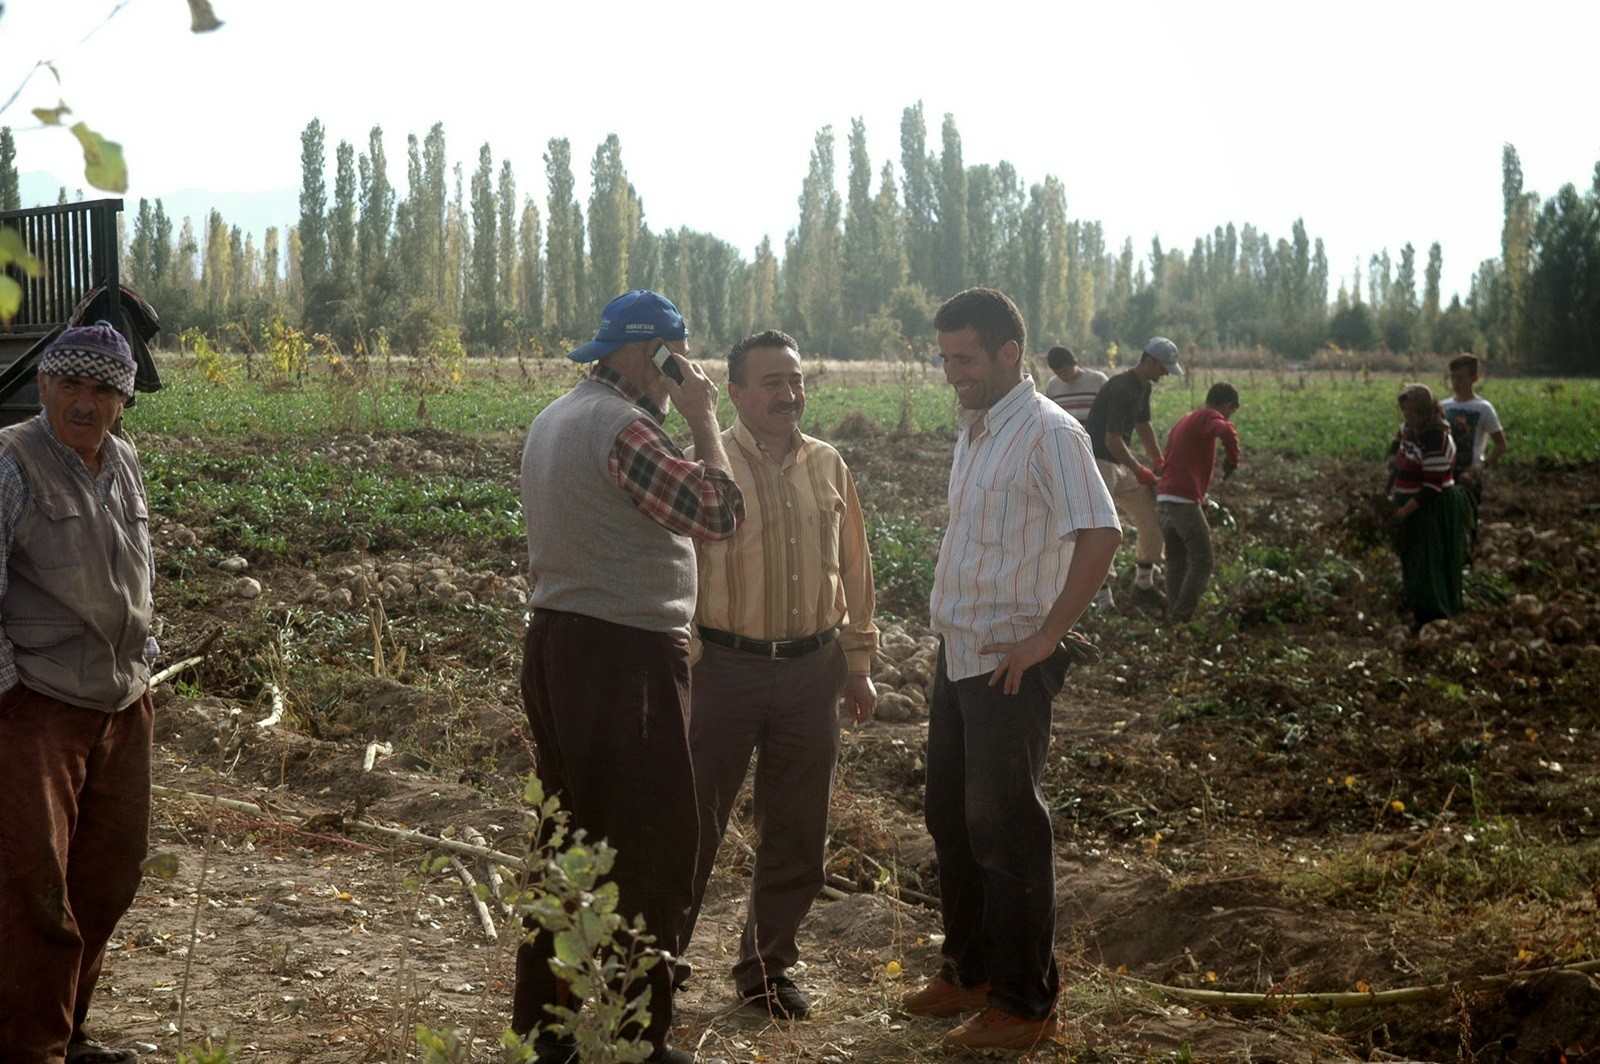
<point x="771" y="648"/>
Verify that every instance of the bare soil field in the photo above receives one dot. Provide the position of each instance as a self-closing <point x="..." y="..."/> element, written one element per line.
<point x="1292" y="794"/>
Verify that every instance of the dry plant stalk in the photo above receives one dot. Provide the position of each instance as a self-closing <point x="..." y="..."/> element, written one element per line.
<point x="1356" y="999"/>
<point x="375" y="612"/>
<point x="415" y="838"/>
<point x="194" y="929"/>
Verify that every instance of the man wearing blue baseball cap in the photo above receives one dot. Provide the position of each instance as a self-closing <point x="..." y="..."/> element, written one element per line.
<point x="76" y="572"/>
<point x="613" y="508"/>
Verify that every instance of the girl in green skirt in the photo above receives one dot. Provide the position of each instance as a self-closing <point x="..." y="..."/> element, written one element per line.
<point x="1431" y="515"/>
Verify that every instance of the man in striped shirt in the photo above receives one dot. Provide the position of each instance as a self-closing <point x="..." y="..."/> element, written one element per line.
<point x="1071" y="386"/>
<point x="1031" y="536"/>
<point x="785" y="622"/>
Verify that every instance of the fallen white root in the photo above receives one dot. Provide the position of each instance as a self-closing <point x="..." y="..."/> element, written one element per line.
<point x="373" y="750"/>
<point x="277" y="708"/>
<point x="497" y="885"/>
<point x="477" y="903"/>
<point x="172" y="670"/>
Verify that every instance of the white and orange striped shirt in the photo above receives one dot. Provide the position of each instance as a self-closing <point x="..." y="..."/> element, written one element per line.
<point x="1023" y="482"/>
<point x="799" y="563"/>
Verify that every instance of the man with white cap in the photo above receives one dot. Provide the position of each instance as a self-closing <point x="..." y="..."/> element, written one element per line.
<point x="1121" y="408"/>
<point x="76" y="572"/>
<point x="612" y="508"/>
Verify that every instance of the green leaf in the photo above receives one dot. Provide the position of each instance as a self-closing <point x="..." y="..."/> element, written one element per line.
<point x="605" y="897"/>
<point x="10" y="298"/>
<point x="533" y="791"/>
<point x="201" y="18"/>
<point x="161" y="865"/>
<point x="14" y="251"/>
<point x="103" y="165"/>
<point x="578" y="865"/>
<point x="592" y="925"/>
<point x="569" y="949"/>
<point x="51" y="116"/>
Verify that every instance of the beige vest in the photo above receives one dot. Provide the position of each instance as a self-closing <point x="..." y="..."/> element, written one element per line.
<point x="77" y="606"/>
<point x="590" y="550"/>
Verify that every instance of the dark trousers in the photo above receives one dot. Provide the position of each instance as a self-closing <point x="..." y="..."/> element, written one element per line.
<point x="608" y="708"/>
<point x="1471" y="485"/>
<point x="786" y="712"/>
<point x="991" y="835"/>
<point x="1189" y="557"/>
<point x="74" y="825"/>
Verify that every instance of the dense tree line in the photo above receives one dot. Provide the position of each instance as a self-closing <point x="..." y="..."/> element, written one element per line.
<point x="1538" y="304"/>
<point x="461" y="256"/>
<point x="10" y="193"/>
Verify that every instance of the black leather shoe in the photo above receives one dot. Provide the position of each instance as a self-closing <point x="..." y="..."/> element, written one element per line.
<point x="780" y="998"/>
<point x="555" y="1049"/>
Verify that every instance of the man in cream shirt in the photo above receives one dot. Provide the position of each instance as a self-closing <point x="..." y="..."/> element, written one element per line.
<point x="1031" y="535"/>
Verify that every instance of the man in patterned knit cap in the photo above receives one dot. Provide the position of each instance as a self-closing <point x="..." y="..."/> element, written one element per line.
<point x="76" y="573"/>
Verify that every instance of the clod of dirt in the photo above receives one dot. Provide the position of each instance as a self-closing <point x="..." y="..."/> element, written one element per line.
<point x="857" y="918"/>
<point x="895" y="707"/>
<point x="1551" y="1019"/>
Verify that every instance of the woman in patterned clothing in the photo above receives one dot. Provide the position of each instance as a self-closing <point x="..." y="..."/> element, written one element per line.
<point x="1430" y="512"/>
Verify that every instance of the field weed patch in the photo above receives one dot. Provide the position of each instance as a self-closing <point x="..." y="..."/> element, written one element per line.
<point x="296" y="506"/>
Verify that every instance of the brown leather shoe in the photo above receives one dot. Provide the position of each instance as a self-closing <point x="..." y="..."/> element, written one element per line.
<point x="998" y="1029"/>
<point x="943" y="998"/>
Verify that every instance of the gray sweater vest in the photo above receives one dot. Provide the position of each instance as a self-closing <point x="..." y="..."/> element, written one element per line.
<point x="77" y="606"/>
<point x="590" y="550"/>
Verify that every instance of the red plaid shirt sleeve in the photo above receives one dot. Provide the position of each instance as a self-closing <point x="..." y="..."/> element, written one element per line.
<point x="682" y="496"/>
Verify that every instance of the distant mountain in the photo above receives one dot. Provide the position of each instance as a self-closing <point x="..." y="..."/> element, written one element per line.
<point x="252" y="212"/>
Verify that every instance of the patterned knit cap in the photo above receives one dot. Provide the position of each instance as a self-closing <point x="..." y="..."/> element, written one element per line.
<point x="96" y="351"/>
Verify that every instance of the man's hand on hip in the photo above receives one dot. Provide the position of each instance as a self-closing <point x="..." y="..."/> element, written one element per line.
<point x="860" y="697"/>
<point x="1019" y="658"/>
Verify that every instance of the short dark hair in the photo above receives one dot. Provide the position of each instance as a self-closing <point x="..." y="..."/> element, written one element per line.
<point x="1222" y="394"/>
<point x="766" y="338"/>
<point x="1060" y="357"/>
<point x="987" y="311"/>
<point x="1467" y="361"/>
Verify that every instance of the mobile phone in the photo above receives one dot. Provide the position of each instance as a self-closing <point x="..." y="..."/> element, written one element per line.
<point x="667" y="364"/>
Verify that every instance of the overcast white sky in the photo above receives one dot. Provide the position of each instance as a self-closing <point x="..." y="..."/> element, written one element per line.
<point x="1378" y="122"/>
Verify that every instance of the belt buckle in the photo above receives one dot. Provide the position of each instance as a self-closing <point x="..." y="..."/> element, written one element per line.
<point x="772" y="650"/>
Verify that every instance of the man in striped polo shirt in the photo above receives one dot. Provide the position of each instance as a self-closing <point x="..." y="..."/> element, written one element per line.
<point x="785" y="623"/>
<point x="1031" y="536"/>
<point x="1071" y="386"/>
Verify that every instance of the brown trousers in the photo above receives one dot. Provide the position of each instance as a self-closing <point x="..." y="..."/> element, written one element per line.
<point x="608" y="709"/>
<point x="786" y="711"/>
<point x="74" y="825"/>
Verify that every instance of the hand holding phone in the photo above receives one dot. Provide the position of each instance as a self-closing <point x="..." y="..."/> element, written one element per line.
<point x="668" y="364"/>
<point x="691" y="391"/>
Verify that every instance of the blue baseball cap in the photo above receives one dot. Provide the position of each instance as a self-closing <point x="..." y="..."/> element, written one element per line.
<point x="633" y="316"/>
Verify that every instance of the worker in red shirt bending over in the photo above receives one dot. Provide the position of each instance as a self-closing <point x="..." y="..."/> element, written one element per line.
<point x="1191" y="455"/>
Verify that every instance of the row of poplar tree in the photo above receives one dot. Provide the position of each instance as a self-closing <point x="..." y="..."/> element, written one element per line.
<point x="859" y="275"/>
